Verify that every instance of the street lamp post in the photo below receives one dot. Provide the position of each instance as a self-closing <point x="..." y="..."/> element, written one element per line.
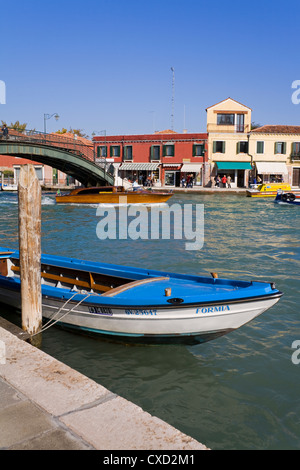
<point x="49" y="116"/>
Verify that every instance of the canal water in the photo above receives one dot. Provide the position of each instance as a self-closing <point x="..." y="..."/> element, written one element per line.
<point x="240" y="391"/>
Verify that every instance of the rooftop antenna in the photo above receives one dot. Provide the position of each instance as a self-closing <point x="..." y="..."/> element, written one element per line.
<point x="173" y="88"/>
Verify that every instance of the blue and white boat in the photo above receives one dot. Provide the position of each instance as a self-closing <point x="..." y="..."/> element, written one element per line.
<point x="137" y="304"/>
<point x="287" y="198"/>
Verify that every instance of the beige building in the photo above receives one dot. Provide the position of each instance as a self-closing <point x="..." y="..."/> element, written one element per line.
<point x="270" y="153"/>
<point x="228" y="128"/>
<point x="276" y="153"/>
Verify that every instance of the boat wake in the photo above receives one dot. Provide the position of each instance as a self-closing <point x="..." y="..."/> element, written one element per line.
<point x="13" y="199"/>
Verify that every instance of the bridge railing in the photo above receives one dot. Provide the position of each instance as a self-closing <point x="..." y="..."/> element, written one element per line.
<point x="77" y="145"/>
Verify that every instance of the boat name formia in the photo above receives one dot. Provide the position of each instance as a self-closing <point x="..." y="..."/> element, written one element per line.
<point x="220" y="308"/>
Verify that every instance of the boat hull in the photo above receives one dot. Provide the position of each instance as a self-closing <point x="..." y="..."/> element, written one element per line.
<point x="131" y="197"/>
<point x="253" y="193"/>
<point x="268" y="190"/>
<point x="196" y="323"/>
<point x="288" y="198"/>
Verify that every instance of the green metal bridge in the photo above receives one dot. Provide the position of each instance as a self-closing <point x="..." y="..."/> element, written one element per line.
<point x="71" y="156"/>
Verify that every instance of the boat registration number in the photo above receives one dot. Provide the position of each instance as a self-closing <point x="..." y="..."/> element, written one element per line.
<point x="100" y="310"/>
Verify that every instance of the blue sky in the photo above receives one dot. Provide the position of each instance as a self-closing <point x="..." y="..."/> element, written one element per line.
<point x="106" y="65"/>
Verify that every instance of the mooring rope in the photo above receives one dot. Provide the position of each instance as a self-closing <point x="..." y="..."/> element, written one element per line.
<point x="51" y="322"/>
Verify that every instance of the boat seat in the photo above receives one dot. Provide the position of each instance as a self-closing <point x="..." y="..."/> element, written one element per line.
<point x="131" y="285"/>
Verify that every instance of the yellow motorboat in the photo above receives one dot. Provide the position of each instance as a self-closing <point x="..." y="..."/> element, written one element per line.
<point x="268" y="189"/>
<point x="112" y="195"/>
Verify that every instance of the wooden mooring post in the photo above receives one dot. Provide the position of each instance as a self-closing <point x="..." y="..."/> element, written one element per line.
<point x="29" y="196"/>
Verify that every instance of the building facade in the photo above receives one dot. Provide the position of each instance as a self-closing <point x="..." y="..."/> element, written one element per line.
<point x="276" y="151"/>
<point x="165" y="158"/>
<point x="269" y="153"/>
<point x="228" y="128"/>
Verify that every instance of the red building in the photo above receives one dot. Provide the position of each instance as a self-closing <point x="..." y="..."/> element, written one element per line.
<point x="167" y="157"/>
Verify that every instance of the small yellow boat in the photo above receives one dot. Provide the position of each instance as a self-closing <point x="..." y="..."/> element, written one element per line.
<point x="268" y="189"/>
<point x="112" y="195"/>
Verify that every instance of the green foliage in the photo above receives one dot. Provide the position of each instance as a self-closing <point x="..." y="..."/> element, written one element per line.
<point x="78" y="132"/>
<point x="17" y="126"/>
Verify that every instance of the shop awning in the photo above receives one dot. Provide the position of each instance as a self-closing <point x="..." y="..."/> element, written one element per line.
<point x="271" y="168"/>
<point x="234" y="165"/>
<point x="139" y="166"/>
<point x="171" y="165"/>
<point x="191" y="167"/>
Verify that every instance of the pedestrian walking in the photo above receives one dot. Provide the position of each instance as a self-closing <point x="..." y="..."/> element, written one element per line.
<point x="5" y="131"/>
<point x="228" y="181"/>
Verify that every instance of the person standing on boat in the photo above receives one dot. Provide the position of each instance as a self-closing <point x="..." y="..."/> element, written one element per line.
<point x="228" y="181"/>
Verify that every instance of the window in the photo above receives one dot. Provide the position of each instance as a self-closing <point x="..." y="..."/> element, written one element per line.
<point x="198" y="150"/>
<point x="260" y="147"/>
<point x="225" y="119"/>
<point x="218" y="146"/>
<point x="296" y="148"/>
<point x="280" y="147"/>
<point x="128" y="152"/>
<point x="115" y="151"/>
<point x="169" y="150"/>
<point x="155" y="152"/>
<point x="242" y="147"/>
<point x="102" y="151"/>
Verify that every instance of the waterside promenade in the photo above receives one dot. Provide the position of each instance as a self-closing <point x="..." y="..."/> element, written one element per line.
<point x="46" y="405"/>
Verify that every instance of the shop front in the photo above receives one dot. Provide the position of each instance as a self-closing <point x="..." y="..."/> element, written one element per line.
<point x="238" y="172"/>
<point x="145" y="174"/>
<point x="191" y="174"/>
<point x="271" y="172"/>
<point x="171" y="175"/>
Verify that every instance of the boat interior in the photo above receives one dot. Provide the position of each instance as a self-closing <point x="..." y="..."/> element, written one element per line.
<point x="74" y="279"/>
<point x="98" y="190"/>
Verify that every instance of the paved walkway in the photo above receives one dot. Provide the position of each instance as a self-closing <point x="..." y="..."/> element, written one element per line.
<point x="46" y="405"/>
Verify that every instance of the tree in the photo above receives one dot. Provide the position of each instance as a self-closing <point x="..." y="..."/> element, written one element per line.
<point x="16" y="126"/>
<point x="78" y="132"/>
<point x="255" y="125"/>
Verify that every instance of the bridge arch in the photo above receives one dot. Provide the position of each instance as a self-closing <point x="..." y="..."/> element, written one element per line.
<point x="67" y="155"/>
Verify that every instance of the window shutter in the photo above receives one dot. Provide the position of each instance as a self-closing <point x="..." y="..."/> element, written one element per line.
<point x="223" y="147"/>
<point x="238" y="147"/>
<point x="284" y="148"/>
<point x="276" y="147"/>
<point x="194" y="150"/>
<point x="214" y="146"/>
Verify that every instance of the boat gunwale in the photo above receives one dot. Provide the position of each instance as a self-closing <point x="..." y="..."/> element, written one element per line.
<point x="95" y="297"/>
